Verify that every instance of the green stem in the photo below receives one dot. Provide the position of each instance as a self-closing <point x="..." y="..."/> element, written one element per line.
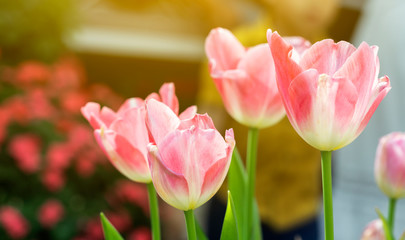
<point x="391" y="214"/>
<point x="327" y="193"/>
<point x="190" y="222"/>
<point x="251" y="170"/>
<point x="154" y="211"/>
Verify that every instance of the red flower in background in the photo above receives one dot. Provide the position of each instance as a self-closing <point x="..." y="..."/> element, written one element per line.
<point x="141" y="233"/>
<point x="58" y="156"/>
<point x="25" y="149"/>
<point x="86" y="161"/>
<point x="72" y="101"/>
<point x="46" y="136"/>
<point x="18" y="109"/>
<point x="50" y="213"/>
<point x="29" y="72"/>
<point x="67" y="74"/>
<point x="13" y="222"/>
<point x="39" y="104"/>
<point x="53" y="179"/>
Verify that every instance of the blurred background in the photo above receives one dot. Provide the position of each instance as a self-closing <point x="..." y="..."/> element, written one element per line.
<point x="57" y="55"/>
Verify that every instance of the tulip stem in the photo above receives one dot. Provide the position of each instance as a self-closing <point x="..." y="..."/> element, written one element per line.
<point x="327" y="193"/>
<point x="251" y="170"/>
<point x="190" y="222"/>
<point x="154" y="211"/>
<point x="391" y="214"/>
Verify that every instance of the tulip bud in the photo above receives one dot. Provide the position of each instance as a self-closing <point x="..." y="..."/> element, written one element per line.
<point x="390" y="165"/>
<point x="374" y="231"/>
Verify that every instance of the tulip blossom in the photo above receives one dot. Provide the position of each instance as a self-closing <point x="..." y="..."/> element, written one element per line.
<point x="331" y="92"/>
<point x="246" y="78"/>
<point x="390" y="165"/>
<point x="374" y="231"/>
<point x="188" y="159"/>
<point x="123" y="134"/>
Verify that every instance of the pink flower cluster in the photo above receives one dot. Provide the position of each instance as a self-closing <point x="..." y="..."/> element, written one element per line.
<point x="55" y="94"/>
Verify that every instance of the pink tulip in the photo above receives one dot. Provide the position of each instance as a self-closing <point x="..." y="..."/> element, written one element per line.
<point x="123" y="134"/>
<point x="390" y="165"/>
<point x="331" y="92"/>
<point x="246" y="78"/>
<point x="189" y="158"/>
<point x="374" y="231"/>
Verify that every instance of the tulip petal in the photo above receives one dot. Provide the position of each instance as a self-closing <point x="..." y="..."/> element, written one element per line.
<point x="168" y="96"/>
<point x="153" y="96"/>
<point x="380" y="92"/>
<point x="228" y="88"/>
<point x="161" y="120"/>
<point x="215" y="175"/>
<point x="188" y="113"/>
<point x="91" y="111"/>
<point x="301" y="93"/>
<point x="248" y="101"/>
<point x="130" y="103"/>
<point x="360" y="68"/>
<point x="133" y="128"/>
<point x="127" y="159"/>
<point x="259" y="97"/>
<point x="345" y="103"/>
<point x="395" y="151"/>
<point x="326" y="56"/>
<point x="171" y="186"/>
<point x="287" y="69"/>
<point x="223" y="49"/>
<point x="213" y="179"/>
<point x="201" y="121"/>
<point x="107" y="116"/>
<point x="300" y="46"/>
<point x="258" y="64"/>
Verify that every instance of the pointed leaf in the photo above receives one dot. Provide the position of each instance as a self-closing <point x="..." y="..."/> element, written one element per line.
<point x="257" y="228"/>
<point x="230" y="226"/>
<point x="110" y="233"/>
<point x="237" y="184"/>
<point x="200" y="233"/>
<point x="388" y="235"/>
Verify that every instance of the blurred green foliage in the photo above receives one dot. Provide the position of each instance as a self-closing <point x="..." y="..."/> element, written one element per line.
<point x="34" y="29"/>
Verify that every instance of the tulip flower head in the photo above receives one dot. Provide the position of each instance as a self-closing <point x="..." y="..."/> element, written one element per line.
<point x="188" y="158"/>
<point x="245" y="79"/>
<point x="331" y="92"/>
<point x="374" y="231"/>
<point x="123" y="134"/>
<point x="390" y="165"/>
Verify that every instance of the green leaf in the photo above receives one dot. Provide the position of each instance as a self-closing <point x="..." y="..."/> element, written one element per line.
<point x="230" y="226"/>
<point x="388" y="235"/>
<point x="257" y="228"/>
<point x="110" y="233"/>
<point x="200" y="232"/>
<point x="237" y="184"/>
<point x="402" y="237"/>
